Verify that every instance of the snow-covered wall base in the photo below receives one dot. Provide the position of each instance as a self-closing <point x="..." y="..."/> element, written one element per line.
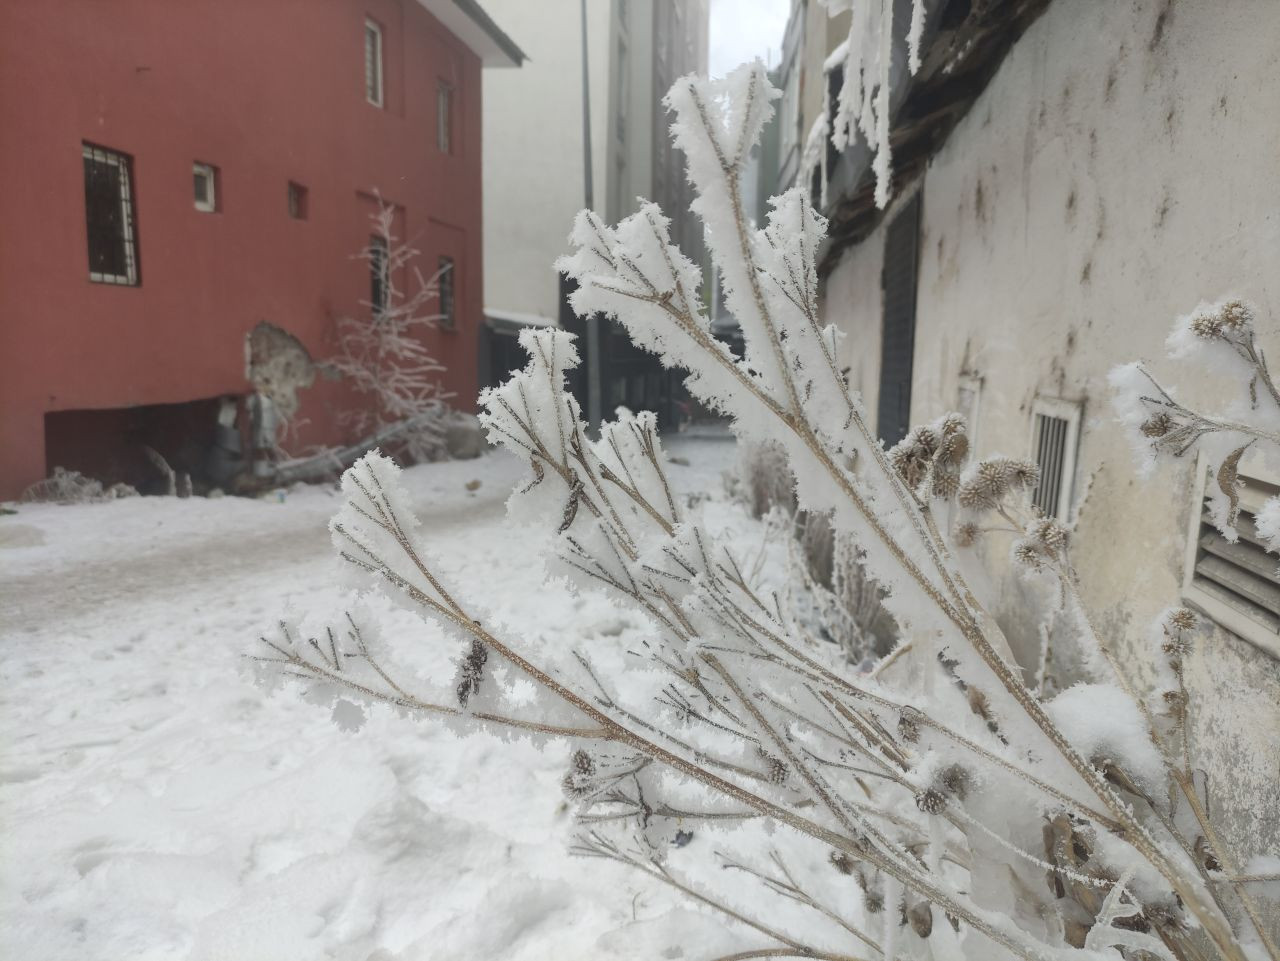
<point x="1119" y="169"/>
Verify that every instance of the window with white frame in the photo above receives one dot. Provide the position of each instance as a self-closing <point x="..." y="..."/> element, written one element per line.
<point x="205" y="187"/>
<point x="1235" y="583"/>
<point x="109" y="219"/>
<point x="373" y="85"/>
<point x="1055" y="437"/>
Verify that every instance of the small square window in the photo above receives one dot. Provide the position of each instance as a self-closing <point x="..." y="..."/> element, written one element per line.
<point x="445" y="281"/>
<point x="206" y="187"/>
<point x="373" y="62"/>
<point x="297" y="201"/>
<point x="444" y="117"/>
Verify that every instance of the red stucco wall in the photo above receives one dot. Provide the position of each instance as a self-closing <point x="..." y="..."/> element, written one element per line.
<point x="268" y="92"/>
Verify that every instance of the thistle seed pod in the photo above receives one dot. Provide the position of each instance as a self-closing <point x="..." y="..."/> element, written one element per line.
<point x="582" y="763"/>
<point x="776" y="769"/>
<point x="920" y="917"/>
<point x="1157" y="425"/>
<point x="967" y="534"/>
<point x="470" y="671"/>
<point x="1207" y="326"/>
<point x="955" y="780"/>
<point x="1049" y="535"/>
<point x="931" y="801"/>
<point x="1028" y="554"/>
<point x="946" y="484"/>
<point x="841" y="862"/>
<point x="909" y="725"/>
<point x="1206" y="855"/>
<point x="1237" y="316"/>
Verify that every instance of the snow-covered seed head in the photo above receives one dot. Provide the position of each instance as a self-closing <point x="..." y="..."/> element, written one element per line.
<point x="1208" y="326"/>
<point x="578" y="781"/>
<point x="931" y="801"/>
<point x="946" y="484"/>
<point x="1237" y="316"/>
<point x="775" y="768"/>
<point x="1028" y="554"/>
<point x="841" y="862"/>
<point x="966" y="534"/>
<point x="873" y="901"/>
<point x="920" y="917"/>
<point x="470" y="671"/>
<point x="1049" y="535"/>
<point x="1157" y="425"/>
<point x="1175" y="702"/>
<point x="955" y="780"/>
<point x="912" y="455"/>
<point x="909" y="725"/>
<point x="1182" y="619"/>
<point x="582" y="763"/>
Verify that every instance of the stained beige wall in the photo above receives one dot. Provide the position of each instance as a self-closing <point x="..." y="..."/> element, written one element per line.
<point x="1121" y="167"/>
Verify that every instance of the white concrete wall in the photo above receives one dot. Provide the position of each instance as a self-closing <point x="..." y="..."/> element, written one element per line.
<point x="1123" y="164"/>
<point x="533" y="157"/>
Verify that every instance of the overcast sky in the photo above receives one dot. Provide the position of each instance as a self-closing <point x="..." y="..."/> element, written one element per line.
<point x="742" y="29"/>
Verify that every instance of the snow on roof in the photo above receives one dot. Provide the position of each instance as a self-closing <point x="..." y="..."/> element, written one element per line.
<point x="837" y="57"/>
<point x="467" y="20"/>
<point x="515" y="317"/>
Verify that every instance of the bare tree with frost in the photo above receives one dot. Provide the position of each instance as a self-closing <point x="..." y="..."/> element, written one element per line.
<point x="948" y="812"/>
<point x="383" y="356"/>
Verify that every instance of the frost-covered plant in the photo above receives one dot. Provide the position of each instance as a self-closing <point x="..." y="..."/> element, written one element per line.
<point x="1221" y="341"/>
<point x="952" y="812"/>
<point x="384" y="357"/>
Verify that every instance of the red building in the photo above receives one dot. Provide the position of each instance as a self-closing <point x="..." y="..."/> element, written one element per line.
<point x="179" y="170"/>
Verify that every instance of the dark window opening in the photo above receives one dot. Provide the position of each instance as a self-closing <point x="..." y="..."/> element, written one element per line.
<point x="205" y="187"/>
<point x="297" y="201"/>
<point x="379" y="281"/>
<point x="109" y="219"/>
<point x="444" y="117"/>
<point x="444" y="279"/>
<point x="898" y="282"/>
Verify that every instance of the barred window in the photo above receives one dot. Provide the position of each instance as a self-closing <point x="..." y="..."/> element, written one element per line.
<point x="108" y="207"/>
<point x="445" y="274"/>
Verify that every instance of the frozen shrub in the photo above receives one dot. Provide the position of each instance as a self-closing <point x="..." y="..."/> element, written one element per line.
<point x="383" y="356"/>
<point x="947" y="811"/>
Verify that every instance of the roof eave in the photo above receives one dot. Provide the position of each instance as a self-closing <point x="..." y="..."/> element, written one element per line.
<point x="469" y="22"/>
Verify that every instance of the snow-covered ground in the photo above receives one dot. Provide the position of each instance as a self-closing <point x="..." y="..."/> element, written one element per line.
<point x="156" y="804"/>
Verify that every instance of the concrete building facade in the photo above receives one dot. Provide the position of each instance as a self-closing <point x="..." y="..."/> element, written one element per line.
<point x="1109" y="177"/>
